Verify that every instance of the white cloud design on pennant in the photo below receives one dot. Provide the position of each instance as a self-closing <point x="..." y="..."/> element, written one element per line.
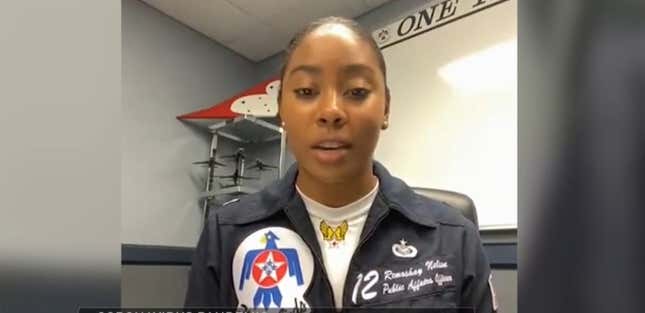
<point x="260" y="105"/>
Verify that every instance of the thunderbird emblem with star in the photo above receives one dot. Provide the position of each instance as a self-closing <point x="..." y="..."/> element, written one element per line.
<point x="268" y="267"/>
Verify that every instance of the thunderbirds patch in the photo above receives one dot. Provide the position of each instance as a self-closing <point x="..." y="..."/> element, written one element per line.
<point x="272" y="268"/>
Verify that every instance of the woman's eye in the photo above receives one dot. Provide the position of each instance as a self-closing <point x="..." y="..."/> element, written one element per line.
<point x="304" y="92"/>
<point x="359" y="93"/>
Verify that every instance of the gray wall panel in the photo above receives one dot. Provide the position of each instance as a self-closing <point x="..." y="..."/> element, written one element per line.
<point x="168" y="70"/>
<point x="505" y="286"/>
<point x="153" y="285"/>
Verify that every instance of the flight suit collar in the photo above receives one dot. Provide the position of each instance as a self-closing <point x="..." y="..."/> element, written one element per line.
<point x="393" y="194"/>
<point x="400" y="197"/>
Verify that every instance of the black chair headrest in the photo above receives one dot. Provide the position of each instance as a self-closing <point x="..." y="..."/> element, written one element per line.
<point x="459" y="201"/>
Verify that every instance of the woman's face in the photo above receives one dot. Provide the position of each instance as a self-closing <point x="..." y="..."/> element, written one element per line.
<point x="333" y="103"/>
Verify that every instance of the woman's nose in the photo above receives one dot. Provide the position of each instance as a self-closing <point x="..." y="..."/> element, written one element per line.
<point x="331" y="114"/>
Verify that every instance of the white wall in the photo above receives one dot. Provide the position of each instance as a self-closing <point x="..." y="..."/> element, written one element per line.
<point x="453" y="121"/>
<point x="168" y="69"/>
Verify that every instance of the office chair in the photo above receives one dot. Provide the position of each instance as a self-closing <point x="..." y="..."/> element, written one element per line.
<point x="459" y="201"/>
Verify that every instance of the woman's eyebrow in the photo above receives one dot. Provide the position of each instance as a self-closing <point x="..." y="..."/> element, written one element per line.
<point x="357" y="69"/>
<point x="310" y="69"/>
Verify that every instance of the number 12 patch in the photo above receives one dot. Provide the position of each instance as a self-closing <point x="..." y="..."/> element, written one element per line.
<point x="399" y="282"/>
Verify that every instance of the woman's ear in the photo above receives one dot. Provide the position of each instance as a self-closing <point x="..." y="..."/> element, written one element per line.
<point x="387" y="101"/>
<point x="280" y="121"/>
<point x="279" y="100"/>
<point x="386" y="119"/>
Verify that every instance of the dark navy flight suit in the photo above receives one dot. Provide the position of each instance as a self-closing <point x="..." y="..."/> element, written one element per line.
<point x="447" y="270"/>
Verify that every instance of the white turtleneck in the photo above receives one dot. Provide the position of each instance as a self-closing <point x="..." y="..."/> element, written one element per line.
<point x="338" y="245"/>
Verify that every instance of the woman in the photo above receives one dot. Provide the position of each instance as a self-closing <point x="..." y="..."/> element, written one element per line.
<point x="338" y="231"/>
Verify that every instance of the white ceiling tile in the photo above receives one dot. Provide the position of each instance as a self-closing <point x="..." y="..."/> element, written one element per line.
<point x="253" y="28"/>
<point x="262" y="43"/>
<point x="374" y="3"/>
<point x="266" y="9"/>
<point x="167" y="6"/>
<point x="288" y="21"/>
<point x="216" y="19"/>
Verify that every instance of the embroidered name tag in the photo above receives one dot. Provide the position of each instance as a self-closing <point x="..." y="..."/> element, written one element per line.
<point x="396" y="282"/>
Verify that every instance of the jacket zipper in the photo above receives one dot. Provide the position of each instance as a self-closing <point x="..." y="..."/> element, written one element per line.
<point x="322" y="266"/>
<point x="360" y="244"/>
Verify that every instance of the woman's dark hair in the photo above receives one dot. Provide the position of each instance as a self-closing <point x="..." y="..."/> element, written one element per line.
<point x="352" y="25"/>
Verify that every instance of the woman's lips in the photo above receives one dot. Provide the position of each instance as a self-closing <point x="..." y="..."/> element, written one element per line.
<point x="331" y="151"/>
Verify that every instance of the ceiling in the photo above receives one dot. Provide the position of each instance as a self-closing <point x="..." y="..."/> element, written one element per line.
<point x="256" y="29"/>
